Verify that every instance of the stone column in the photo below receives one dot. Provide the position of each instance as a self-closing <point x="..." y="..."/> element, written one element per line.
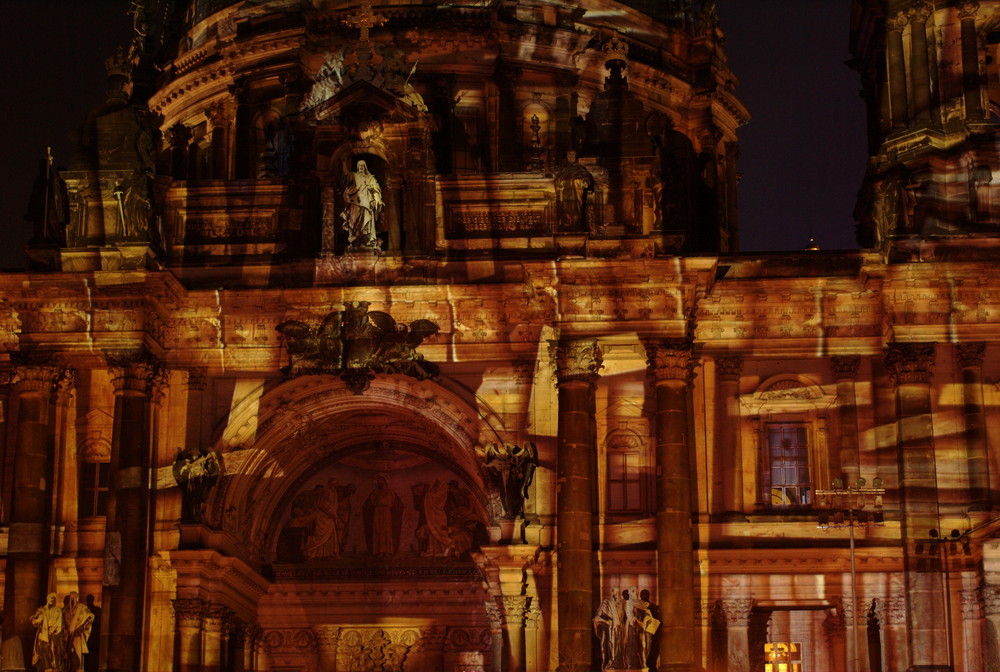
<point x="897" y="70"/>
<point x="576" y="364"/>
<point x="26" y="572"/>
<point x="514" y="608"/>
<point x="213" y="629"/>
<point x="327" y="638"/>
<point x="970" y="359"/>
<point x="971" y="82"/>
<point x="909" y="365"/>
<point x="920" y="62"/>
<point x="188" y="615"/>
<point x="737" y="612"/>
<point x="991" y="606"/>
<point x="137" y="379"/>
<point x="845" y="370"/>
<point x="972" y="629"/>
<point x="670" y="364"/>
<point x="218" y="121"/>
<point x="728" y="447"/>
<point x="533" y="653"/>
<point x="856" y="617"/>
<point x="894" y="635"/>
<point x="833" y="628"/>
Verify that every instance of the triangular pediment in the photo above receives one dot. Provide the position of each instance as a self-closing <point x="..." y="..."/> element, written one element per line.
<point x="364" y="98"/>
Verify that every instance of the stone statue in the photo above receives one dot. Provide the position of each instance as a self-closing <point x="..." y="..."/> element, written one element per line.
<point x="197" y="471"/>
<point x="511" y="467"/>
<point x="78" y="621"/>
<point x="136" y="206"/>
<point x="448" y="525"/>
<point x="609" y="626"/>
<point x="362" y="208"/>
<point x="573" y="184"/>
<point x="639" y="628"/>
<point x="383" y="516"/>
<point x="48" y="208"/>
<point x="325" y="540"/>
<point x="47" y="655"/>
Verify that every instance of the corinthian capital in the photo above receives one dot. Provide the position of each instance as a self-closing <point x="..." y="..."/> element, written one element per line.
<point x="971" y="354"/>
<point x="669" y="359"/>
<point x="897" y="22"/>
<point x="576" y="360"/>
<point x="920" y="13"/>
<point x="845" y="367"/>
<point x="727" y="368"/>
<point x="968" y="9"/>
<point x="37" y="372"/>
<point x="909" y="362"/>
<point x="136" y="371"/>
<point x="737" y="611"/>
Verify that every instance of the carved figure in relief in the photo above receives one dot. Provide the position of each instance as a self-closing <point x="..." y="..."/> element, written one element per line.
<point x="609" y="626"/>
<point x="47" y="654"/>
<point x="196" y="471"/>
<point x="511" y="468"/>
<point x="78" y="621"/>
<point x="362" y="209"/>
<point x="325" y="540"/>
<point x="448" y="524"/>
<point x="573" y="184"/>
<point x="383" y="517"/>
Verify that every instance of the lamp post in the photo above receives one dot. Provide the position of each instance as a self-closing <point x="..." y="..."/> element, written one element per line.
<point x="841" y="500"/>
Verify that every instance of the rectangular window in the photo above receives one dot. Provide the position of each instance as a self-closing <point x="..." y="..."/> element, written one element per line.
<point x="624" y="490"/>
<point x="93" y="489"/>
<point x="782" y="657"/>
<point x="788" y="451"/>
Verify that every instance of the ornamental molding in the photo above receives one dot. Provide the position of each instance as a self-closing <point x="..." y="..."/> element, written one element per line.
<point x="910" y="363"/>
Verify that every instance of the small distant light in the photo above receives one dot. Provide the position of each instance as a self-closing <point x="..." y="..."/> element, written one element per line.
<point x="812" y="246"/>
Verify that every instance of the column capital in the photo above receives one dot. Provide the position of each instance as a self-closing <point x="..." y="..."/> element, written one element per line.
<point x="991" y="599"/>
<point x="189" y="612"/>
<point x="576" y="360"/>
<point x="670" y="359"/>
<point x="737" y="611"/>
<point x="514" y="609"/>
<point x="920" y="13"/>
<point x="729" y="367"/>
<point x="136" y="371"/>
<point x="218" y="114"/>
<point x="898" y="22"/>
<point x="845" y="367"/>
<point x="834" y="625"/>
<point x="967" y="9"/>
<point x="216" y="614"/>
<point x="37" y="372"/>
<point x="179" y="136"/>
<point x="493" y="615"/>
<point x="195" y="379"/>
<point x="970" y="354"/>
<point x="909" y="362"/>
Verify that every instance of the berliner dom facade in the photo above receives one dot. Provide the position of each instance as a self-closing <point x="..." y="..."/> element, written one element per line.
<point x="412" y="335"/>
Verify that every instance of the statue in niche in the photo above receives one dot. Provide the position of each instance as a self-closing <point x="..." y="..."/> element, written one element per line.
<point x="574" y="184"/>
<point x="609" y="626"/>
<point x="383" y="518"/>
<point x="196" y="471"/>
<point x="78" y="621"/>
<point x="511" y="468"/>
<point x="448" y="525"/>
<point x="362" y="208"/>
<point x="135" y="205"/>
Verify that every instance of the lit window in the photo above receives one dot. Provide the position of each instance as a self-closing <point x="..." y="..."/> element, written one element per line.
<point x="789" y="465"/>
<point x="93" y="489"/>
<point x="623" y="482"/>
<point x="782" y="657"/>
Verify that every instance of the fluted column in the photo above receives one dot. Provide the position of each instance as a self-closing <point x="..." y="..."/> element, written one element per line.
<point x="920" y="62"/>
<point x="576" y="365"/>
<point x="26" y="574"/>
<point x="728" y="447"/>
<point x="897" y="70"/>
<point x="188" y="615"/>
<point x="670" y="368"/>
<point x="909" y="365"/>
<point x="970" y="359"/>
<point x="845" y="371"/>
<point x="737" y="613"/>
<point x="971" y="83"/>
<point x="137" y="379"/>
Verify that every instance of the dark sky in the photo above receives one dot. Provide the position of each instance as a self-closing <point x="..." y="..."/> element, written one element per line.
<point x="802" y="153"/>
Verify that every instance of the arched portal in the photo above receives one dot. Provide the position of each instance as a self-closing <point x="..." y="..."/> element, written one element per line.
<point x="363" y="514"/>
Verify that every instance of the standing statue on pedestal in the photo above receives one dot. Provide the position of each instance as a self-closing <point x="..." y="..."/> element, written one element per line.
<point x="609" y="626"/>
<point x="573" y="184"/>
<point x="197" y="471"/>
<point x="47" y="655"/>
<point x="362" y="208"/>
<point x="77" y="623"/>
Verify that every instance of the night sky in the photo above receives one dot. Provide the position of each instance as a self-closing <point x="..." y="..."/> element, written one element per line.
<point x="802" y="157"/>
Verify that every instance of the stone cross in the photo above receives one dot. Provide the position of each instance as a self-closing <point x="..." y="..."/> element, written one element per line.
<point x="365" y="20"/>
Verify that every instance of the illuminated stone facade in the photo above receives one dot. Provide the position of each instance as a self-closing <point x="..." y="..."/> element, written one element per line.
<point x="397" y="337"/>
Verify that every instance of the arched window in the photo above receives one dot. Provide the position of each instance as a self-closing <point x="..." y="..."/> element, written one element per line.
<point x="625" y="460"/>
